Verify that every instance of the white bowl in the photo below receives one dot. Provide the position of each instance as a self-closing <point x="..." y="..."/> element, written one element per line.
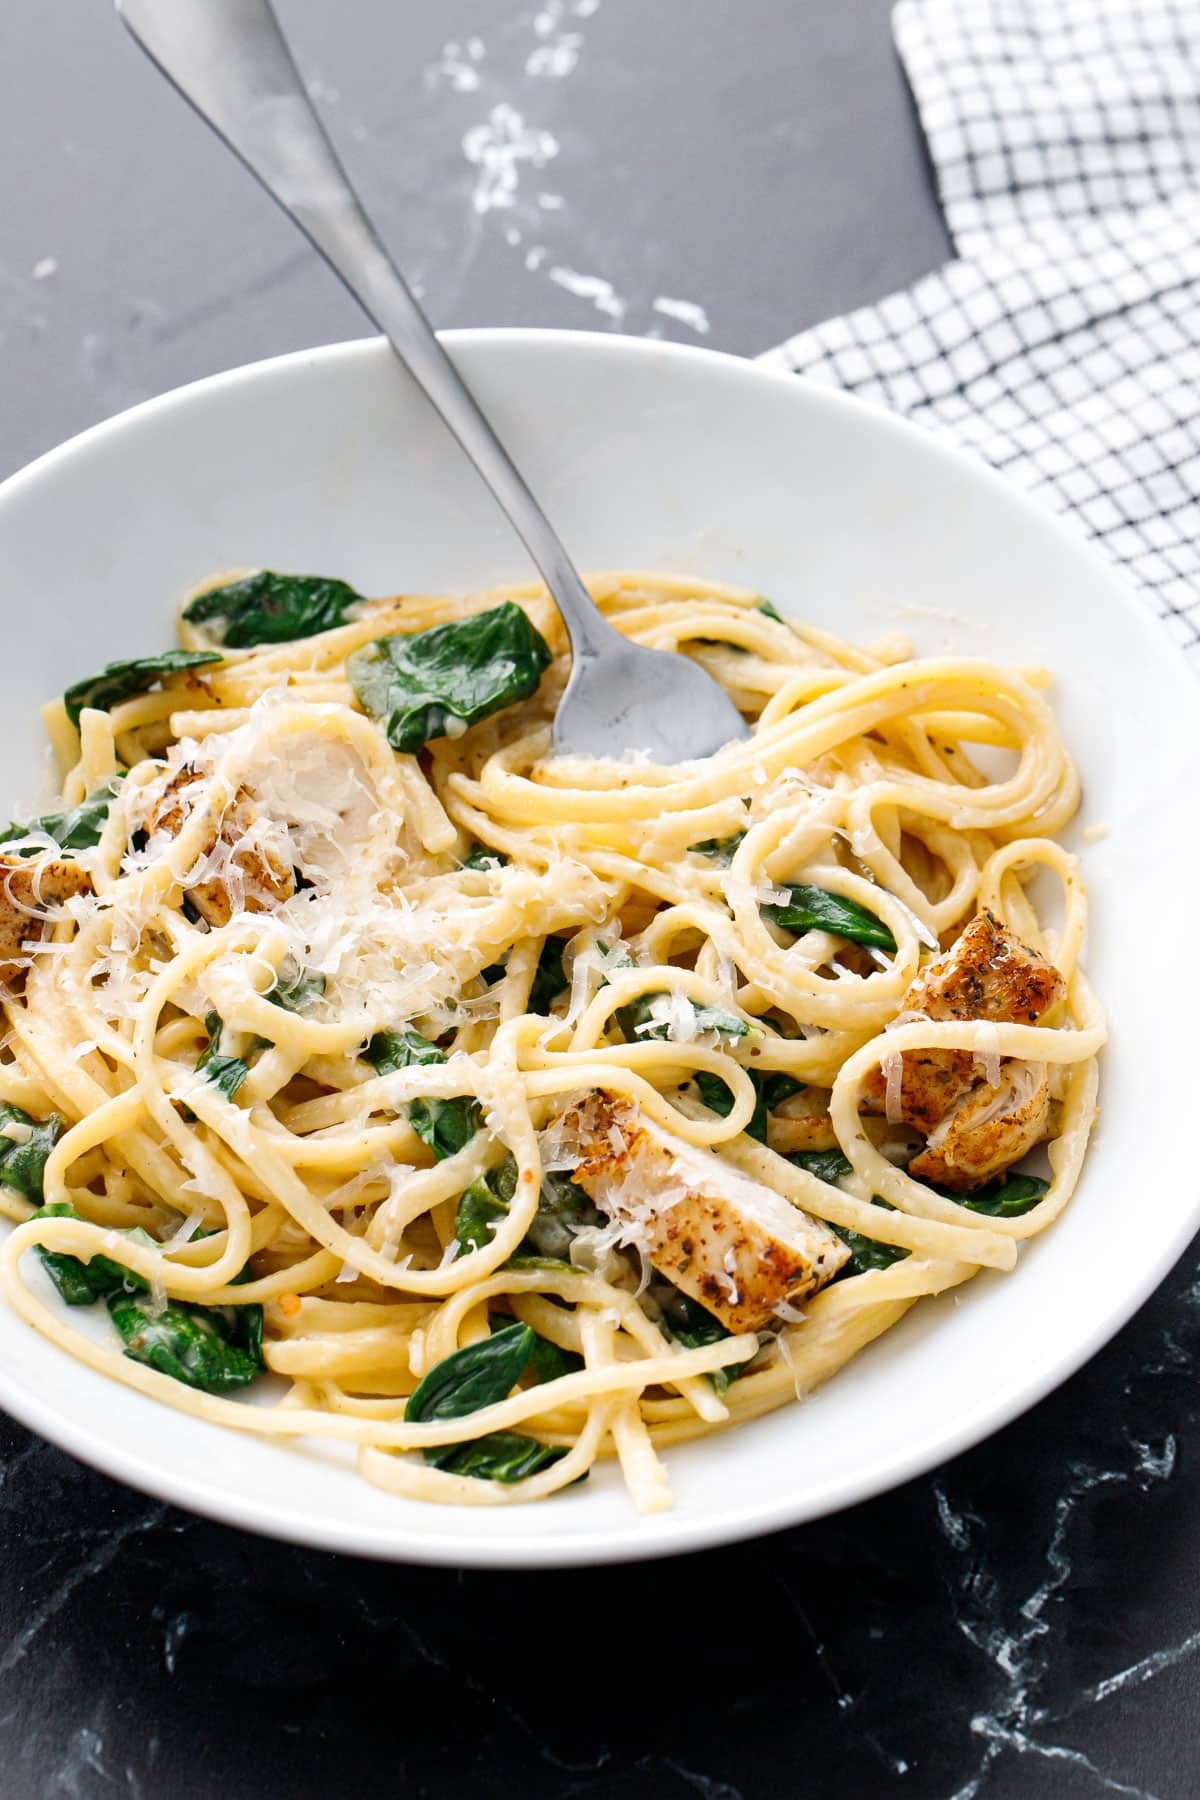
<point x="657" y="456"/>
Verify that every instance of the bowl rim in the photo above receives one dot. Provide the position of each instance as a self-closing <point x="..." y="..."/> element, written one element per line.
<point x="672" y="1534"/>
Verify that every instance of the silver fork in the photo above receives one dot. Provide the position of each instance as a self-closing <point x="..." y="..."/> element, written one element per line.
<point x="229" y="58"/>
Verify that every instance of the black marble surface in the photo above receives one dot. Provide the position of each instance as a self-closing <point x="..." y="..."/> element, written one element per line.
<point x="1026" y="1622"/>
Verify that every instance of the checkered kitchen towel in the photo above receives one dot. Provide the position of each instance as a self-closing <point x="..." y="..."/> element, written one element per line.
<point x="1064" y="344"/>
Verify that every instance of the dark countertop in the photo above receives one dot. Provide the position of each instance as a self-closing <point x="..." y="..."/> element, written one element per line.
<point x="1024" y="1623"/>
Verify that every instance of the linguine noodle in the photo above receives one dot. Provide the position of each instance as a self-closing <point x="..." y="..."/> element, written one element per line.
<point x="309" y="1190"/>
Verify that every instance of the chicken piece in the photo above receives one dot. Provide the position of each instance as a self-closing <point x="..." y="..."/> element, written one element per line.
<point x="988" y="974"/>
<point x="988" y="1130"/>
<point x="973" y="1127"/>
<point x="256" y="873"/>
<point x="727" y="1241"/>
<point x="802" y="1122"/>
<point x="29" y="885"/>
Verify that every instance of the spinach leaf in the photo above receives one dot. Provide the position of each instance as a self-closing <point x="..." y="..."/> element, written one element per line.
<point x="1005" y="1198"/>
<point x="498" y="1456"/>
<point x="550" y="979"/>
<point x="481" y="1376"/>
<point x="81" y="1283"/>
<point x="225" y="1072"/>
<point x="121" y="680"/>
<point x="295" y="987"/>
<point x="723" y="849"/>
<point x="693" y="1326"/>
<point x="389" y="1051"/>
<point x="266" y="608"/>
<point x="445" y="1125"/>
<point x="816" y="909"/>
<point x="760" y="605"/>
<point x="482" y="856"/>
<point x="477" y="1376"/>
<point x="688" y="1321"/>
<point x="198" y="1345"/>
<point x="420" y="681"/>
<point x="865" y="1252"/>
<point x="549" y="1362"/>
<point x="826" y="1165"/>
<point x="503" y="1180"/>
<point x="478" y="1213"/>
<point x="217" y="1348"/>
<point x="771" y="1087"/>
<point x="25" y="1143"/>
<point x="564" y="1210"/>
<point x="637" y="1020"/>
<point x="78" y="828"/>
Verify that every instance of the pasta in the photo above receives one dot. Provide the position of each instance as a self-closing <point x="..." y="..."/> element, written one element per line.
<point x="498" y="1113"/>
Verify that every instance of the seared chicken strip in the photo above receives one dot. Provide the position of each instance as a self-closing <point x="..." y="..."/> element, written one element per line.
<point x="974" y="1127"/>
<point x="256" y="873"/>
<point x="727" y="1241"/>
<point x="29" y="885"/>
<point x="989" y="1129"/>
<point x="802" y="1123"/>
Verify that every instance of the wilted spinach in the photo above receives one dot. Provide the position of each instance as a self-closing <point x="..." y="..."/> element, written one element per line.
<point x="771" y="1088"/>
<point x="826" y="1165"/>
<point x="481" y="1375"/>
<point x="445" y="1125"/>
<point x="82" y="1283"/>
<point x="78" y="828"/>
<point x="389" y="1051"/>
<point x="267" y="608"/>
<point x="550" y="978"/>
<point x="637" y="1021"/>
<point x="693" y="1326"/>
<point x="816" y="909"/>
<point x="497" y="1456"/>
<point x="295" y="987"/>
<point x="865" y="1252"/>
<point x="478" y="1213"/>
<point x="217" y="1349"/>
<point x="1005" y="1198"/>
<point x="722" y="849"/>
<point x="121" y="680"/>
<point x="225" y="1072"/>
<point x="563" y="1211"/>
<point x="418" y="682"/>
<point x="482" y="856"/>
<point x="25" y="1143"/>
<point x="760" y="605"/>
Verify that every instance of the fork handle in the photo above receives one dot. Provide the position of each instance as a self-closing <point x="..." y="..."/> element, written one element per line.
<point x="230" y="60"/>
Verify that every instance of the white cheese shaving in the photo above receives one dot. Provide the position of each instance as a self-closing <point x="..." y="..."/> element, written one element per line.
<point x="986" y="1055"/>
<point x="186" y="1230"/>
<point x="892" y="1066"/>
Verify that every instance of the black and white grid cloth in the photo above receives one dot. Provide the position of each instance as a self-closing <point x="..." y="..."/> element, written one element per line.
<point x="1064" y="343"/>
